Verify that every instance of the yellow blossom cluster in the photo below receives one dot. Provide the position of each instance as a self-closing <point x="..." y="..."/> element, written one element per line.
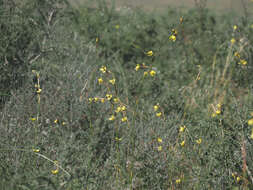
<point x="37" y="86"/>
<point x="182" y="129"/>
<point x="173" y="35"/>
<point x="159" y="140"/>
<point x="178" y="181"/>
<point x="55" y="171"/>
<point x="199" y="141"/>
<point x="149" y="53"/>
<point x="103" y="69"/>
<point x="118" y="139"/>
<point x="33" y="118"/>
<point x="157" y="110"/>
<point x="236" y="177"/>
<point x="120" y="108"/>
<point x="151" y="72"/>
<point x="124" y="119"/>
<point x="36" y="150"/>
<point x="239" y="60"/>
<point x="159" y="148"/>
<point x="217" y="110"/>
<point x="96" y="99"/>
<point x="182" y="143"/>
<point x="117" y="26"/>
<point x="232" y="41"/>
<point x="109" y="96"/>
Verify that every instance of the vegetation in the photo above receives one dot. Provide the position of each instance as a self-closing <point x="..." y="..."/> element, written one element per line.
<point x="96" y="98"/>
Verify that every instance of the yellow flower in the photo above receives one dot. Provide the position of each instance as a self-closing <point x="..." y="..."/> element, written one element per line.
<point x="156" y="107"/>
<point x="234" y="27"/>
<point x="102" y="100"/>
<point x="108" y="96"/>
<point x="218" y="105"/>
<point x="233" y="175"/>
<point x="159" y="140"/>
<point x="159" y="114"/>
<point x="55" y="171"/>
<point x="117" y="26"/>
<point x="232" y="41"/>
<point x="112" y="81"/>
<point x="182" y="143"/>
<point x="112" y="118"/>
<point x="199" y="141"/>
<point x="174" y="31"/>
<point x="182" y="128"/>
<point x="118" y="109"/>
<point x="145" y="73"/>
<point x="213" y="115"/>
<point x="159" y="148"/>
<point x="100" y="80"/>
<point x="152" y="73"/>
<point x="115" y="100"/>
<point x="36" y="150"/>
<point x="218" y="112"/>
<point x="243" y="62"/>
<point x="173" y="38"/>
<point x="90" y="100"/>
<point x="56" y="121"/>
<point x="238" y="179"/>
<point x="95" y="99"/>
<point x="178" y="181"/>
<point x="123" y="108"/>
<point x="63" y="123"/>
<point x="103" y="69"/>
<point x="250" y="122"/>
<point x="118" y="139"/>
<point x="124" y="119"/>
<point x="236" y="54"/>
<point x="33" y="119"/>
<point x="39" y="91"/>
<point x="137" y="67"/>
<point x="97" y="40"/>
<point x="150" y="53"/>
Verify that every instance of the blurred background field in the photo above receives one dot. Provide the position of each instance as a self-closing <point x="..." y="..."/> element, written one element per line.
<point x="219" y="6"/>
<point x="101" y="95"/>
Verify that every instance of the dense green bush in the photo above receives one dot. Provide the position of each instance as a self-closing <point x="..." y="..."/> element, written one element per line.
<point x="26" y="27"/>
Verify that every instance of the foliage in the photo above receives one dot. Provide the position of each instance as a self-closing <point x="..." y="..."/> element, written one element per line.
<point x="124" y="99"/>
